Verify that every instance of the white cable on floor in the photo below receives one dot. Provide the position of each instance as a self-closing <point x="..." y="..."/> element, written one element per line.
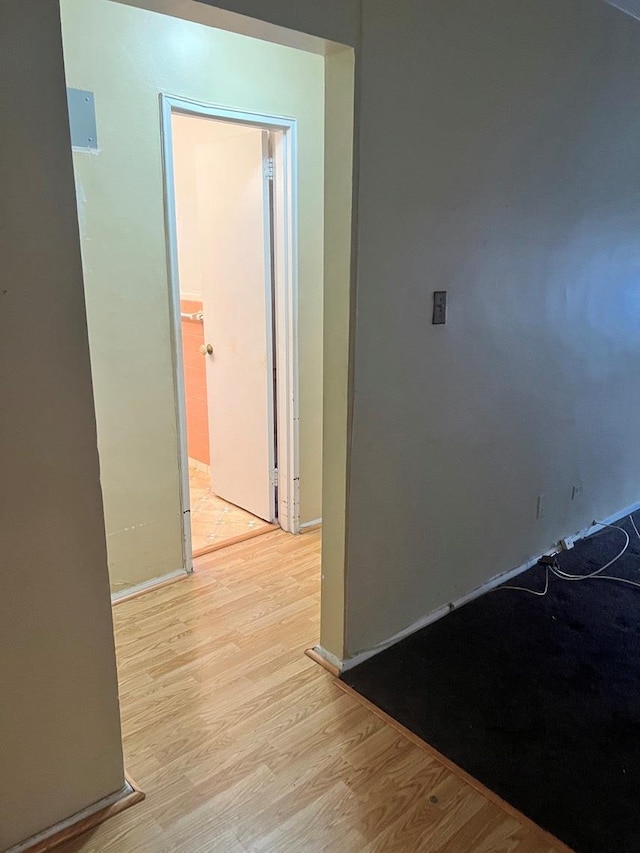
<point x="569" y="577"/>
<point x="620" y="580"/>
<point x="524" y="588"/>
<point x="596" y="575"/>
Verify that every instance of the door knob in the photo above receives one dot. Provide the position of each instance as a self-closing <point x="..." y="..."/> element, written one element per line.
<point x="206" y="349"/>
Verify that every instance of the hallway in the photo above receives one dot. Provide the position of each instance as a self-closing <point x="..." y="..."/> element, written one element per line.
<point x="241" y="743"/>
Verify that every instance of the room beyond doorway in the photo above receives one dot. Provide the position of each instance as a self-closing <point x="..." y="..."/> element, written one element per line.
<point x="216" y="523"/>
<point x="221" y="218"/>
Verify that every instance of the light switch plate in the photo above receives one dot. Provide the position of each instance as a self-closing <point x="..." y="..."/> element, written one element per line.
<point x="439" y="307"/>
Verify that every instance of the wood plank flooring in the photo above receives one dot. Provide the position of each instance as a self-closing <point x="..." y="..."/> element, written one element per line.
<point x="241" y="743"/>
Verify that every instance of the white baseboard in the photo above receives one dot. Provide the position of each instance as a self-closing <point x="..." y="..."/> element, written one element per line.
<point x="496" y="580"/>
<point x="307" y="526"/>
<point x="82" y="815"/>
<point x="611" y="519"/>
<point x="145" y="586"/>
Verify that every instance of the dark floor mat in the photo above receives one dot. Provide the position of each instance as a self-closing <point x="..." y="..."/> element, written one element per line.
<point x="538" y="698"/>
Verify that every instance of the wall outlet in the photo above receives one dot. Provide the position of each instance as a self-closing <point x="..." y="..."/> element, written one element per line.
<point x="567" y="543"/>
<point x="540" y="507"/>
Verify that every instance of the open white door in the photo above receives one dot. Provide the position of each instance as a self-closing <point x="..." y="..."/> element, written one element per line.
<point x="234" y="214"/>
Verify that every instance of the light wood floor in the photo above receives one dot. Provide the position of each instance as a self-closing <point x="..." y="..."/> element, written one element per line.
<point x="242" y="743"/>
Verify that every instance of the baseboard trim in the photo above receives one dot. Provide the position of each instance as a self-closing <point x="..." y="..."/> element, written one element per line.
<point x="361" y="656"/>
<point x="180" y="574"/>
<point x="234" y="540"/>
<point x="474" y="783"/>
<point x="82" y="821"/>
<point x="147" y="586"/>
<point x="309" y="526"/>
<point x="594" y="528"/>
<point x="435" y="615"/>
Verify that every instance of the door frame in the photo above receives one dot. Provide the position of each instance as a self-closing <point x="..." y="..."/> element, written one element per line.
<point x="285" y="288"/>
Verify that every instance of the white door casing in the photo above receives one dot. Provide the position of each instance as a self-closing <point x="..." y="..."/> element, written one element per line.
<point x="284" y="136"/>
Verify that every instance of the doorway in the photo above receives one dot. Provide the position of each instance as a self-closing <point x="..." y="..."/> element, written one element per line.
<point x="300" y="88"/>
<point x="229" y="190"/>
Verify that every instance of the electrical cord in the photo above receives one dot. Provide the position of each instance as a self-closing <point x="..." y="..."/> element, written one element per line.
<point x="554" y="568"/>
<point x="619" y="580"/>
<point x="569" y="577"/>
<point x="525" y="589"/>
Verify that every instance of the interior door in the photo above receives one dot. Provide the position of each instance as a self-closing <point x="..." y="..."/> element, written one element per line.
<point x="234" y="215"/>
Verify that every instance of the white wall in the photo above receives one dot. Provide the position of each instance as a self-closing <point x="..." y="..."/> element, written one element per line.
<point x="59" y="724"/>
<point x="127" y="56"/>
<point x="508" y="174"/>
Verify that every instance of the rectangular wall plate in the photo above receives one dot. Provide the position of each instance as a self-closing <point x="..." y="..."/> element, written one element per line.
<point x="439" y="307"/>
<point x="82" y="119"/>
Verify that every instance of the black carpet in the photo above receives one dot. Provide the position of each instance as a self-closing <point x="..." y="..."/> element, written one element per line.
<point x="538" y="698"/>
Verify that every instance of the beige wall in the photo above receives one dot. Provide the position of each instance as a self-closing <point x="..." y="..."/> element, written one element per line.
<point x="127" y="56"/>
<point x="510" y="178"/>
<point x="339" y="111"/>
<point x="59" y="724"/>
<point x="59" y="735"/>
